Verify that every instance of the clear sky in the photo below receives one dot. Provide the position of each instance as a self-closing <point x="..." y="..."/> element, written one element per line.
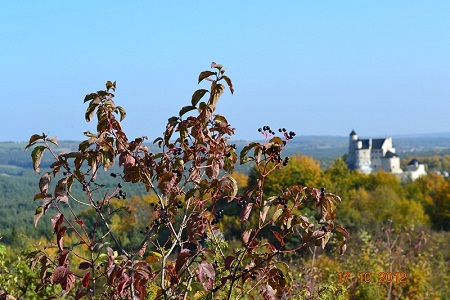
<point x="314" y="67"/>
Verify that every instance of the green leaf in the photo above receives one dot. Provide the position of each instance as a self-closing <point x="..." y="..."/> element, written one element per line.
<point x="186" y="109"/>
<point x="245" y="150"/>
<point x="205" y="74"/>
<point x="36" y="155"/>
<point x="277" y="214"/>
<point x="38" y="214"/>
<point x="198" y="94"/>
<point x="33" y="140"/>
<point x="90" y="111"/>
<point x="220" y="118"/>
<point x="234" y="186"/>
<point x="109" y="85"/>
<point x="230" y="84"/>
<point x="122" y="112"/>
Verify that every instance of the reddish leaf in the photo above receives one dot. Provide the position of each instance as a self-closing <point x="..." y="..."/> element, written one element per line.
<point x="84" y="265"/>
<point x="80" y="222"/>
<point x="42" y="196"/>
<point x="182" y="257"/>
<point x="206" y="274"/>
<point x="59" y="274"/>
<point x="343" y="230"/>
<point x="63" y="256"/>
<point x="279" y="237"/>
<point x="245" y="212"/>
<point x="68" y="282"/>
<point x="246" y="236"/>
<point x="228" y="261"/>
<point x="86" y="278"/>
<point x="80" y="295"/>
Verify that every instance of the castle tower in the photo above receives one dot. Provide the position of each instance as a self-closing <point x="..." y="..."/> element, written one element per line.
<point x="352" y="146"/>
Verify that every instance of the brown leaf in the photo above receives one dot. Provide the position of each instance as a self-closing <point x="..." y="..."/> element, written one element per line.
<point x="59" y="274"/>
<point x="59" y="237"/>
<point x="44" y="182"/>
<point x="57" y="221"/>
<point x="63" y="256"/>
<point x="245" y="212"/>
<point x="141" y="251"/>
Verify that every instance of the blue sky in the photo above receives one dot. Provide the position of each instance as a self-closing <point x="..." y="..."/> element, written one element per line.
<point x="314" y="67"/>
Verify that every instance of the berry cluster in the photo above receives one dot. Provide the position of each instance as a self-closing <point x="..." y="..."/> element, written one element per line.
<point x="242" y="203"/>
<point x="280" y="201"/>
<point x="266" y="130"/>
<point x="176" y="151"/>
<point x="288" y="136"/>
<point x="217" y="216"/>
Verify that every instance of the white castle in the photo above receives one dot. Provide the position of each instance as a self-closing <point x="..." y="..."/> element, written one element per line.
<point x="372" y="155"/>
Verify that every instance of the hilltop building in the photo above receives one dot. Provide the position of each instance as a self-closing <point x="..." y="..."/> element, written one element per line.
<point x="372" y="155"/>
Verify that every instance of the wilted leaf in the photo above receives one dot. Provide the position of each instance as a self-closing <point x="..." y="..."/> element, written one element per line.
<point x="36" y="155"/>
<point x="229" y="83"/>
<point x="245" y="212"/>
<point x="141" y="251"/>
<point x="33" y="139"/>
<point x="52" y="140"/>
<point x="122" y="112"/>
<point x="59" y="237"/>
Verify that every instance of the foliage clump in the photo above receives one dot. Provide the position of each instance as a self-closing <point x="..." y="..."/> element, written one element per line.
<point x="182" y="251"/>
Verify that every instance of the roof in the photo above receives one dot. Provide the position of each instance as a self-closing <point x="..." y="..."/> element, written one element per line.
<point x="377" y="143"/>
<point x="390" y="154"/>
<point x="413" y="162"/>
<point x="353" y="132"/>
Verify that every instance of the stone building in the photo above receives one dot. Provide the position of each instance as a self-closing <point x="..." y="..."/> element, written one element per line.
<point x="372" y="155"/>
